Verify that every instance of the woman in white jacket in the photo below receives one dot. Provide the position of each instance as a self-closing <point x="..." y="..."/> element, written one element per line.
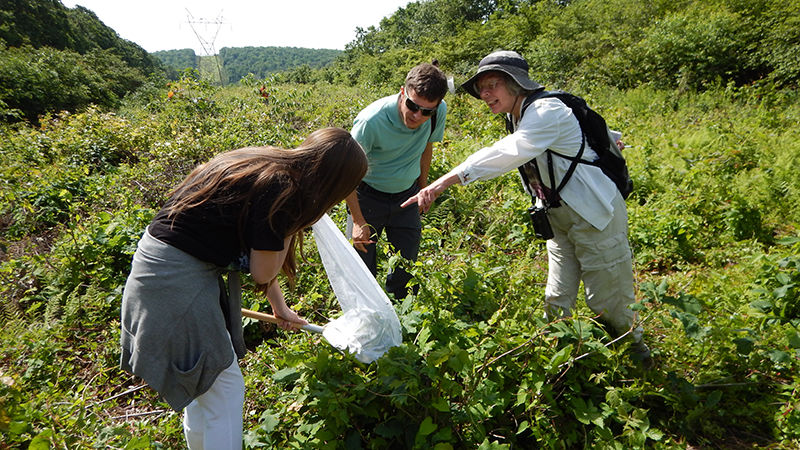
<point x="590" y="223"/>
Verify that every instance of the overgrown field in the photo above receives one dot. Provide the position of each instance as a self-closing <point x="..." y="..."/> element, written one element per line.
<point x="713" y="224"/>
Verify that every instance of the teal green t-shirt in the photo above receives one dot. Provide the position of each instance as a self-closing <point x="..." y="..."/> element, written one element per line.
<point x="393" y="150"/>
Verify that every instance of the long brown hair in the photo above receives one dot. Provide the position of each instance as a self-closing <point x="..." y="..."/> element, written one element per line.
<point x="314" y="177"/>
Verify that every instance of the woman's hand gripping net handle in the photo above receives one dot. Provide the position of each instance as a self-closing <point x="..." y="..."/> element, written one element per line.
<point x="272" y="319"/>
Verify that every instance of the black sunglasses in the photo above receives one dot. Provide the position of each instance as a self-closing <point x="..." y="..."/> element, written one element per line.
<point x="415" y="107"/>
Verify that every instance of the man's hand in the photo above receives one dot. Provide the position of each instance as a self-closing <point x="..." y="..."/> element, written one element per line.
<point x="362" y="235"/>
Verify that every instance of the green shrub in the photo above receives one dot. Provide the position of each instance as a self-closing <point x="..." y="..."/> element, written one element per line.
<point x="37" y="81"/>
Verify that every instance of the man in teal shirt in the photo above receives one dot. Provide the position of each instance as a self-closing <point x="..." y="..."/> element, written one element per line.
<point x="397" y="133"/>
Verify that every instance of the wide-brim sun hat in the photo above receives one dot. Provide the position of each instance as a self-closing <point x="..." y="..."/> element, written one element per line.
<point x="506" y="61"/>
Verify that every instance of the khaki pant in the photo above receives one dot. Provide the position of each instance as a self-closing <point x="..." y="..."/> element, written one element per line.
<point x="600" y="258"/>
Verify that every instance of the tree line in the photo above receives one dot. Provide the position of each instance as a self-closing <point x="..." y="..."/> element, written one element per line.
<point x="685" y="44"/>
<point x="239" y="62"/>
<point x="54" y="58"/>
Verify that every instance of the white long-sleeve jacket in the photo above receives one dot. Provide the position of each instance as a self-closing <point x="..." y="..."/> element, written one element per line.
<point x="548" y="124"/>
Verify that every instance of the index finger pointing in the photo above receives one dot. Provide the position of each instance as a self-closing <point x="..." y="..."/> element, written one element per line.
<point x="410" y="201"/>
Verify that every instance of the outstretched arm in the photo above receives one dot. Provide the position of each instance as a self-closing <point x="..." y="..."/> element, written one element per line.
<point x="428" y="195"/>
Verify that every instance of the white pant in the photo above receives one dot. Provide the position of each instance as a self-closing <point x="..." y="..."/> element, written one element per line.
<point x="600" y="258"/>
<point x="214" y="420"/>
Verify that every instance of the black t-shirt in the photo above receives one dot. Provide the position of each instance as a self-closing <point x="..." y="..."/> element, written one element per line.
<point x="211" y="231"/>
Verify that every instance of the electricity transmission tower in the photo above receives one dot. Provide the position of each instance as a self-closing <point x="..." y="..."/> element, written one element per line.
<point x="207" y="43"/>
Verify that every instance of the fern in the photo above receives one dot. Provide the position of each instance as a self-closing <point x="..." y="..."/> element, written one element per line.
<point x="11" y="315"/>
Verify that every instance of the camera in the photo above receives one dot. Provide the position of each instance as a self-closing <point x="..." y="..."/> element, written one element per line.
<point x="541" y="224"/>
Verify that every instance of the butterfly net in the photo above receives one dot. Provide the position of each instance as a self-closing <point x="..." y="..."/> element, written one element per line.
<point x="369" y="325"/>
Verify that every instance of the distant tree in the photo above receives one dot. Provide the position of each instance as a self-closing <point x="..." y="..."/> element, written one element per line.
<point x="36" y="23"/>
<point x="300" y="74"/>
<point x="621" y="43"/>
<point x="48" y="23"/>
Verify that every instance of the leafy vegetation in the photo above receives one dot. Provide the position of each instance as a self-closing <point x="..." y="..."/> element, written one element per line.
<point x="713" y="223"/>
<point x="54" y="58"/>
<point x="618" y="43"/>
<point x="177" y="61"/>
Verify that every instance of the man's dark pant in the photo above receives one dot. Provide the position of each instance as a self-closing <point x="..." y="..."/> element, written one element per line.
<point x="403" y="227"/>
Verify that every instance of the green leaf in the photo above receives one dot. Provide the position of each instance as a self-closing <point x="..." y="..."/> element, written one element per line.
<point x="137" y="443"/>
<point x="322" y="362"/>
<point x="268" y="422"/>
<point x="586" y="412"/>
<point x="286" y="376"/>
<point x="744" y="345"/>
<point x="422" y="340"/>
<point x="781" y="291"/>
<point x="762" y="306"/>
<point x="522" y="395"/>
<point x="713" y="399"/>
<point x="560" y="357"/>
<point x="459" y="359"/>
<point x="779" y="357"/>
<point x="686" y="303"/>
<point x="691" y="325"/>
<point x="440" y="404"/>
<point x="42" y="441"/>
<point x="655" y="434"/>
<point x="426" y="427"/>
<point x="789" y="240"/>
<point x="794" y="339"/>
<point x="439" y="356"/>
<point x="17" y="427"/>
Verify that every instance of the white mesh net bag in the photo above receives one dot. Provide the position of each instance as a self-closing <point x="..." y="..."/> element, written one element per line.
<point x="369" y="325"/>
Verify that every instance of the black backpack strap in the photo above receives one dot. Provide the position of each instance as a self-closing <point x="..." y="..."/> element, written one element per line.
<point x="433" y="124"/>
<point x="552" y="199"/>
<point x="555" y="201"/>
<point x="525" y="103"/>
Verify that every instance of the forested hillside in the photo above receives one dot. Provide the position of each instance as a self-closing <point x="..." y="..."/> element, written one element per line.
<point x="54" y="58"/>
<point x="263" y="61"/>
<point x="706" y="95"/>
<point x="176" y="61"/>
<point x="238" y="62"/>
